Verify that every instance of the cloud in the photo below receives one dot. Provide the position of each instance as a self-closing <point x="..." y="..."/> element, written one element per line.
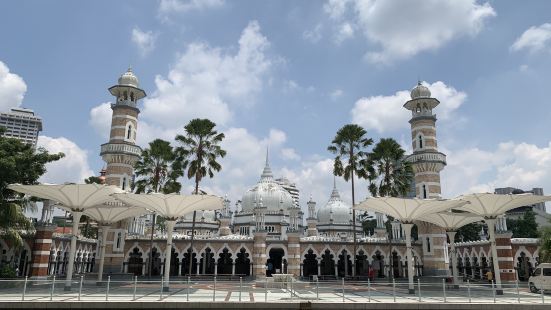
<point x="144" y="40"/>
<point x="207" y="81"/>
<point x="535" y="39"/>
<point x="12" y="89"/>
<point x="178" y="6"/>
<point x="313" y="35"/>
<point x="345" y="32"/>
<point x="387" y="114"/>
<point x="71" y="168"/>
<point x="406" y="28"/>
<point x="520" y="165"/>
<point x="289" y="154"/>
<point x="336" y="94"/>
<point x="100" y="119"/>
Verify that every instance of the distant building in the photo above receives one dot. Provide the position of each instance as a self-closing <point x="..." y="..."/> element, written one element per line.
<point x="291" y="188"/>
<point x="542" y="217"/>
<point x="21" y="124"/>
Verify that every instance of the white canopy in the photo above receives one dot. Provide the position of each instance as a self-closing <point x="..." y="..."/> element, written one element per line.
<point x="77" y="197"/>
<point x="451" y="221"/>
<point x="109" y="213"/>
<point x="492" y="205"/>
<point x="172" y="206"/>
<point x="408" y="210"/>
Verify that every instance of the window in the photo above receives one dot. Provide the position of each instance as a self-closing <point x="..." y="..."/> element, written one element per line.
<point x="420" y="142"/>
<point x="125" y="95"/>
<point x="129" y="132"/>
<point x="123" y="185"/>
<point x="546" y="272"/>
<point x="428" y="244"/>
<point x="132" y="96"/>
<point x="119" y="236"/>
<point x="424" y="191"/>
<point x="537" y="272"/>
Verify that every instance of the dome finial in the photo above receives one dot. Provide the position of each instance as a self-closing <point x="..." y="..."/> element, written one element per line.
<point x="334" y="182"/>
<point x="267" y="172"/>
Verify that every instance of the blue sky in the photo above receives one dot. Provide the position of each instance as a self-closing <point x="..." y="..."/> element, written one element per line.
<point x="288" y="74"/>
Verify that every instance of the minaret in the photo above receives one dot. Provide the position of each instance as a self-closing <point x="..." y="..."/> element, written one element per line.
<point x="427" y="163"/>
<point x="121" y="152"/>
<point x="312" y="219"/>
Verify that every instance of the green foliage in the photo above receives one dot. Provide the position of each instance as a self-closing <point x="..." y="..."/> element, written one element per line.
<point x="161" y="223"/>
<point x="7" y="272"/>
<point x="369" y="226"/>
<point x="349" y="147"/>
<point x="524" y="227"/>
<point x="390" y="174"/>
<point x="158" y="169"/>
<point x="469" y="232"/>
<point x="93" y="180"/>
<point x="19" y="163"/>
<point x="200" y="149"/>
<point x="545" y="245"/>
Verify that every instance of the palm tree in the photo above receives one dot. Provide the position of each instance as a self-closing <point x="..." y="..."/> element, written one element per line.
<point x="390" y="174"/>
<point x="349" y="147"/>
<point x="200" y="149"/>
<point x="157" y="170"/>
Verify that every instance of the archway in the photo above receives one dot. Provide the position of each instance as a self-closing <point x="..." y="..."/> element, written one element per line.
<point x="378" y="264"/>
<point x="206" y="264"/>
<point x="310" y="264"/>
<point x="524" y="267"/>
<point x="396" y="264"/>
<point x="274" y="264"/>
<point x="174" y="262"/>
<point x="135" y="262"/>
<point x="344" y="264"/>
<point x="225" y="262"/>
<point x="327" y="264"/>
<point x="185" y="263"/>
<point x="155" y="262"/>
<point x="243" y="263"/>
<point x="362" y="264"/>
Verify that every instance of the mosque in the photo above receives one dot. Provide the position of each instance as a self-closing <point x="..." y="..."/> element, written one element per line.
<point x="266" y="232"/>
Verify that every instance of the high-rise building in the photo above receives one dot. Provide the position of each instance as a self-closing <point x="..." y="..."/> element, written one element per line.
<point x="291" y="188"/>
<point x="21" y="124"/>
<point x="540" y="212"/>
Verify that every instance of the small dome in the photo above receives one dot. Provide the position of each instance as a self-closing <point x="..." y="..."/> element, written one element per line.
<point x="335" y="209"/>
<point x="420" y="91"/>
<point x="129" y="79"/>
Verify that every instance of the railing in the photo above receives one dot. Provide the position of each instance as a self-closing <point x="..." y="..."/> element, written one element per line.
<point x="120" y="148"/>
<point x="184" y="289"/>
<point x="429" y="156"/>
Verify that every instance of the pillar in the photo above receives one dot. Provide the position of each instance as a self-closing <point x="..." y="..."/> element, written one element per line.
<point x="73" y="249"/>
<point x="293" y="253"/>
<point x="409" y="253"/>
<point x="259" y="254"/>
<point x="233" y="268"/>
<point x="104" y="231"/>
<point x="505" y="256"/>
<point x="168" y="252"/>
<point x="453" y="254"/>
<point x="495" y="260"/>
<point x="41" y="251"/>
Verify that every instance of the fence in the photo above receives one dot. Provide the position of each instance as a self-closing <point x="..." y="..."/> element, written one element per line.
<point x="186" y="289"/>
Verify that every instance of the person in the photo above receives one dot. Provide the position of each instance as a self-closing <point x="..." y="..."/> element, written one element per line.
<point x="490" y="276"/>
<point x="371" y="273"/>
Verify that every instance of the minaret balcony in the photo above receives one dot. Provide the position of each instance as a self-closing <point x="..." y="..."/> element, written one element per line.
<point x="427" y="157"/>
<point x="120" y="149"/>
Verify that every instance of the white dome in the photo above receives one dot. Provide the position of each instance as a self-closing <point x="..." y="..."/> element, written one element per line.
<point x="129" y="79"/>
<point x="335" y="209"/>
<point x="209" y="216"/>
<point x="272" y="195"/>
<point x="420" y="91"/>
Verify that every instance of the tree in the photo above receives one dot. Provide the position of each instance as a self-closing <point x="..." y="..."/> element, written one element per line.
<point x="545" y="245"/>
<point x="93" y="180"/>
<point x="157" y="170"/>
<point x="524" y="227"/>
<point x="469" y="232"/>
<point x="349" y="147"/>
<point x="19" y="163"/>
<point x="389" y="173"/>
<point x="200" y="149"/>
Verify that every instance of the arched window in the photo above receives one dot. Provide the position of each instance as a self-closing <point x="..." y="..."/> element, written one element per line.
<point x="428" y="244"/>
<point x="420" y="138"/>
<point x="125" y="94"/>
<point x="132" y="96"/>
<point x="424" y="191"/>
<point x="123" y="185"/>
<point x="119" y="237"/>
<point x="129" y="132"/>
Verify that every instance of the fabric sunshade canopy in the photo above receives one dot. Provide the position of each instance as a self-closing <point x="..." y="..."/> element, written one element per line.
<point x="172" y="205"/>
<point x="109" y="213"/>
<point x="408" y="210"/>
<point x="76" y="197"/>
<point x="451" y="221"/>
<point x="492" y="205"/>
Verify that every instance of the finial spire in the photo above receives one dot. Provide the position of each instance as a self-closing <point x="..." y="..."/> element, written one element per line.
<point x="334" y="182"/>
<point x="267" y="172"/>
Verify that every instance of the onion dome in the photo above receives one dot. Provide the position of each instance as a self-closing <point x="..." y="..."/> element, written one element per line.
<point x="335" y="210"/>
<point x="129" y="79"/>
<point x="420" y="91"/>
<point x="273" y="196"/>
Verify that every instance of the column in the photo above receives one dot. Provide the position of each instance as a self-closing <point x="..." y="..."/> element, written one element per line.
<point x="104" y="231"/>
<point x="233" y="268"/>
<point x="41" y="251"/>
<point x="293" y="253"/>
<point x="451" y="236"/>
<point x="215" y="268"/>
<point x="336" y="270"/>
<point x="505" y="256"/>
<point x="497" y="275"/>
<point x="319" y="267"/>
<point x="409" y="253"/>
<point x="259" y="254"/>
<point x="168" y="252"/>
<point x="73" y="249"/>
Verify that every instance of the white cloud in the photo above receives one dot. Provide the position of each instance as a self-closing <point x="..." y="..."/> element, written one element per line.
<point x="144" y="40"/>
<point x="180" y="6"/>
<point x="406" y="28"/>
<point x="345" y="32"/>
<point x="289" y="154"/>
<point x="207" y="81"/>
<point x="386" y="113"/>
<point x="12" y="88"/>
<point x="100" y="119"/>
<point x="313" y="35"/>
<point x="71" y="168"/>
<point x="535" y="39"/>
<point x="520" y="165"/>
<point x="336" y="94"/>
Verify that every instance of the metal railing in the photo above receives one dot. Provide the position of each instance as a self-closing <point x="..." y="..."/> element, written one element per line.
<point x="266" y="290"/>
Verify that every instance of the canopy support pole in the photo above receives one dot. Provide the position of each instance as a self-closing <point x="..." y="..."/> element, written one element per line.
<point x="497" y="276"/>
<point x="409" y="253"/>
<point x="451" y="236"/>
<point x="104" y="231"/>
<point x="73" y="249"/>
<point x="168" y="252"/>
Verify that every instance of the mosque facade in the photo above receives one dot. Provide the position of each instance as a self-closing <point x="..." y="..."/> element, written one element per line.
<point x="267" y="232"/>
